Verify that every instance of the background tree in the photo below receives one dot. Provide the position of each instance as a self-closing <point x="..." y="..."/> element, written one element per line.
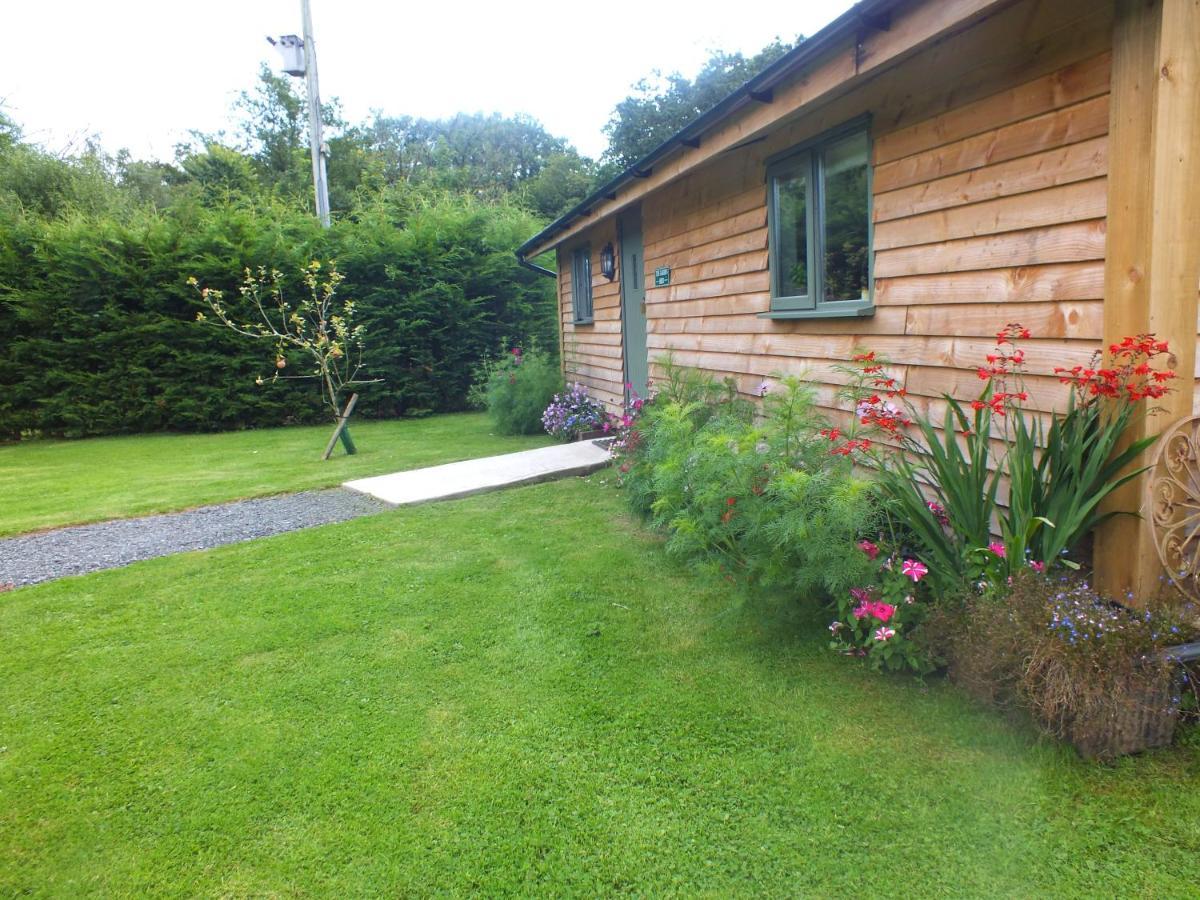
<point x="564" y="180"/>
<point x="98" y="322"/>
<point x="661" y="104"/>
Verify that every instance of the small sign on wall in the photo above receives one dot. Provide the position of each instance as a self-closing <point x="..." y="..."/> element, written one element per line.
<point x="662" y="276"/>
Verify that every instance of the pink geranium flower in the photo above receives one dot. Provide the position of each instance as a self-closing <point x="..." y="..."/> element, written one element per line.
<point x="869" y="548"/>
<point x="882" y="634"/>
<point x="997" y="548"/>
<point x="914" y="569"/>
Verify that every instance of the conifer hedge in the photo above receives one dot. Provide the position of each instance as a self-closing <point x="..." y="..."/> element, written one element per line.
<point x="98" y="331"/>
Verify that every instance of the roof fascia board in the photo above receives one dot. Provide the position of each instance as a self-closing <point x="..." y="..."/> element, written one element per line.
<point x="853" y="47"/>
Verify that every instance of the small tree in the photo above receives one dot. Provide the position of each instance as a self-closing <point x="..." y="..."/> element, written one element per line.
<point x="319" y="327"/>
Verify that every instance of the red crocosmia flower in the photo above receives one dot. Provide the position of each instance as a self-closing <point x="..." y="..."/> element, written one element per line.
<point x="730" y="501"/>
<point x="1131" y="376"/>
<point x="939" y="512"/>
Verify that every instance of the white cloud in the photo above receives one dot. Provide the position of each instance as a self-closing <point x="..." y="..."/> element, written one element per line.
<point x="142" y="73"/>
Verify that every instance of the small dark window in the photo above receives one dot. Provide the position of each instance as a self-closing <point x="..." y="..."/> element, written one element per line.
<point x="581" y="285"/>
<point x="819" y="216"/>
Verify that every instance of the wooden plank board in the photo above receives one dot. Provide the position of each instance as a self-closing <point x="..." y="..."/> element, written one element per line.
<point x="1084" y="319"/>
<point x="884" y="321"/>
<point x="1024" y="284"/>
<point x="1045" y="392"/>
<point x="722" y="267"/>
<point x="1065" y="203"/>
<point x="1154" y="253"/>
<point x="600" y="326"/>
<point x="732" y="285"/>
<point x="1071" y="242"/>
<point x="752" y="220"/>
<point x="1072" y="84"/>
<point x="1077" y="162"/>
<point x="1057" y="128"/>
<point x="692" y="254"/>
<point x="686" y="206"/>
<point x="923" y="350"/>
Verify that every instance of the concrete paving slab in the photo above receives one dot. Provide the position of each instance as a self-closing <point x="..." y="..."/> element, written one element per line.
<point x="474" y="476"/>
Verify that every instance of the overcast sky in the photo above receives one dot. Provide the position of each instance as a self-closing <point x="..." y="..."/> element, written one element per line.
<point x="141" y="73"/>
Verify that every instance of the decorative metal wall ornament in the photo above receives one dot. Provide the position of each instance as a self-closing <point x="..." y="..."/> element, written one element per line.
<point x="608" y="262"/>
<point x="1173" y="500"/>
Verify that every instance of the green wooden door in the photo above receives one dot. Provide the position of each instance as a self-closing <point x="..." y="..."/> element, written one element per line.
<point x="633" y="300"/>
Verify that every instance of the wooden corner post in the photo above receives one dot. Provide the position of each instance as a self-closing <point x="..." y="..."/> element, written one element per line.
<point x="1152" y="266"/>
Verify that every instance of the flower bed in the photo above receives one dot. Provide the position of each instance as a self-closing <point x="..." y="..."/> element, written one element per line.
<point x="922" y="560"/>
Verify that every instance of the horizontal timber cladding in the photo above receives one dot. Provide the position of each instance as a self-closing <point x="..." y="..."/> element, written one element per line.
<point x="989" y="181"/>
<point x="591" y="352"/>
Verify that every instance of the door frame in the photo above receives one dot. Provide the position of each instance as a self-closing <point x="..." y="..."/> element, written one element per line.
<point x="636" y="209"/>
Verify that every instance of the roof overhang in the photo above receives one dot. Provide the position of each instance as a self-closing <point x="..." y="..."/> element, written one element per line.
<point x="759" y="89"/>
<point x="850" y="31"/>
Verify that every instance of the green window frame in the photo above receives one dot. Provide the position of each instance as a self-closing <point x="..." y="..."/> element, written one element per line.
<point x="813" y="192"/>
<point x="581" y="285"/>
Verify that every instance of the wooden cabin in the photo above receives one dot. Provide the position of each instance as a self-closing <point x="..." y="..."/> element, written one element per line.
<point x="910" y="179"/>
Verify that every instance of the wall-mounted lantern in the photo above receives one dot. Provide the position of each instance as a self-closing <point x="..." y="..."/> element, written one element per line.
<point x="608" y="262"/>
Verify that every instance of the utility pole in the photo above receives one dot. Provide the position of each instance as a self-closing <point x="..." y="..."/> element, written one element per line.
<point x="300" y="58"/>
<point x="320" y="182"/>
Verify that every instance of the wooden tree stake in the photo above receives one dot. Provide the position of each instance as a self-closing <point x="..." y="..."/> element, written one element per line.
<point x="342" y="433"/>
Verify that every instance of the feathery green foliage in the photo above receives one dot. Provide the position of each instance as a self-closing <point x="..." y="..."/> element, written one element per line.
<point x="752" y="493"/>
<point x="516" y="387"/>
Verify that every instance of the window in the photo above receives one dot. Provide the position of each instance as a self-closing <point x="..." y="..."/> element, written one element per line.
<point x="581" y="285"/>
<point x="819" y="218"/>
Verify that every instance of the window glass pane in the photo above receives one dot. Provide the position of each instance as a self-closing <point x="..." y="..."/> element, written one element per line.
<point x="582" y="286"/>
<point x="587" y="283"/>
<point x="791" y="225"/>
<point x="846" y="246"/>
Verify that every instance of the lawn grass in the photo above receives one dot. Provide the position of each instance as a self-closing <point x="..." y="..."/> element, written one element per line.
<point x="516" y="694"/>
<point x="52" y="483"/>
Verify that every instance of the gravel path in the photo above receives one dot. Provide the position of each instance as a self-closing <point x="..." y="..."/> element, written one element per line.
<point x="106" y="545"/>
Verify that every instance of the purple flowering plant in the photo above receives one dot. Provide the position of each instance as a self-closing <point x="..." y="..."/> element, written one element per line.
<point x="574" y="412"/>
